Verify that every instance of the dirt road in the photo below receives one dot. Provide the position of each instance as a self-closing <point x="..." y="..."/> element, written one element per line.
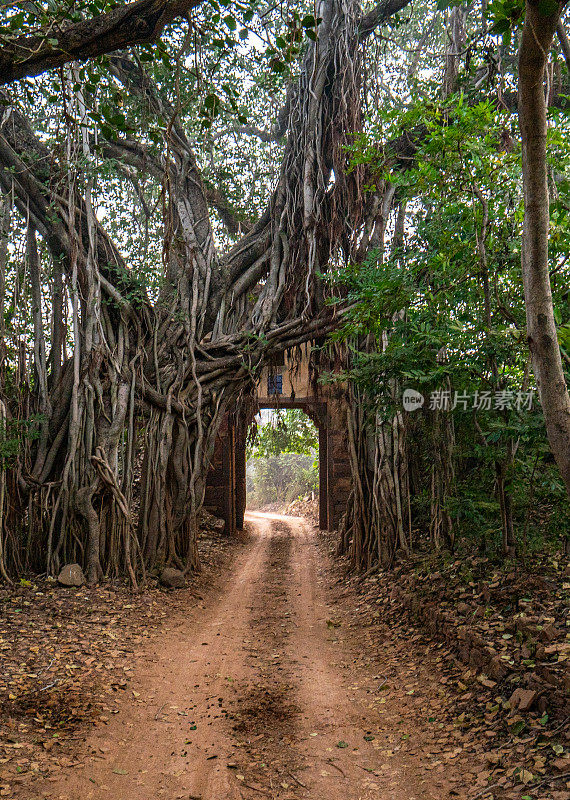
<point x="263" y="691"/>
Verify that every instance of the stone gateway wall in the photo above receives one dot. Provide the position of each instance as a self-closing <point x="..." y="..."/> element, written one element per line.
<point x="293" y="384"/>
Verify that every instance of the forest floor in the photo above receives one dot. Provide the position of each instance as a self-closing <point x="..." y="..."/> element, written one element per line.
<point x="270" y="677"/>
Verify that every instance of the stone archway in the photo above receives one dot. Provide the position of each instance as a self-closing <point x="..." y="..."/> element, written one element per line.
<point x="291" y="384"/>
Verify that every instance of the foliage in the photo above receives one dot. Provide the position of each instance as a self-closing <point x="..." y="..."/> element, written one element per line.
<point x="14" y="434"/>
<point x="130" y="295"/>
<point x="282" y="463"/>
<point x="287" y="431"/>
<point x="446" y="308"/>
<point x="280" y="478"/>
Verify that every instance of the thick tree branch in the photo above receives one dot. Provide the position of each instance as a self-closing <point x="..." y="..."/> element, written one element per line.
<point x="217" y="200"/>
<point x="378" y="16"/>
<point x="25" y="167"/>
<point x="138" y="156"/>
<point x="564" y="42"/>
<point x="133" y="23"/>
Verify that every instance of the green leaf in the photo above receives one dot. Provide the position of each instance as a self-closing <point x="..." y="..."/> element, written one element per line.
<point x="277" y="65"/>
<point x="501" y="25"/>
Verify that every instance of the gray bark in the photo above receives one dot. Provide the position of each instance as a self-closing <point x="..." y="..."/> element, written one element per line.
<point x="536" y="42"/>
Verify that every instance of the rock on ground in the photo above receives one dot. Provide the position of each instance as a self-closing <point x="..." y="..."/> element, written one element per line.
<point x="71" y="575"/>
<point x="174" y="578"/>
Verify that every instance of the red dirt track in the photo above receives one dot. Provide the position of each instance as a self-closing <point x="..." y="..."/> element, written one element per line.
<point x="264" y="692"/>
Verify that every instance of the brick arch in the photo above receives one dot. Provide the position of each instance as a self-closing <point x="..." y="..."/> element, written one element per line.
<point x="226" y="485"/>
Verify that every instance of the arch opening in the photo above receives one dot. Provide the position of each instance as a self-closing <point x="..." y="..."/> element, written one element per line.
<point x="282" y="464"/>
<point x="290" y="385"/>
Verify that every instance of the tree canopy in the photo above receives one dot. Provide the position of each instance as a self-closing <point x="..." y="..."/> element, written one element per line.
<point x="191" y="188"/>
<point x="286" y="431"/>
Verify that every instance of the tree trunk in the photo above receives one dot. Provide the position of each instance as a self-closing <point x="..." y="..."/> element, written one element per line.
<point x="536" y="41"/>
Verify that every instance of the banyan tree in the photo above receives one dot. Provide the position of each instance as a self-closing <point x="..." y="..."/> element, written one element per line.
<point x="116" y="398"/>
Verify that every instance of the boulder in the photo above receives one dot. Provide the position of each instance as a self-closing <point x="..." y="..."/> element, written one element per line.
<point x="71" y="575"/>
<point x="173" y="578"/>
